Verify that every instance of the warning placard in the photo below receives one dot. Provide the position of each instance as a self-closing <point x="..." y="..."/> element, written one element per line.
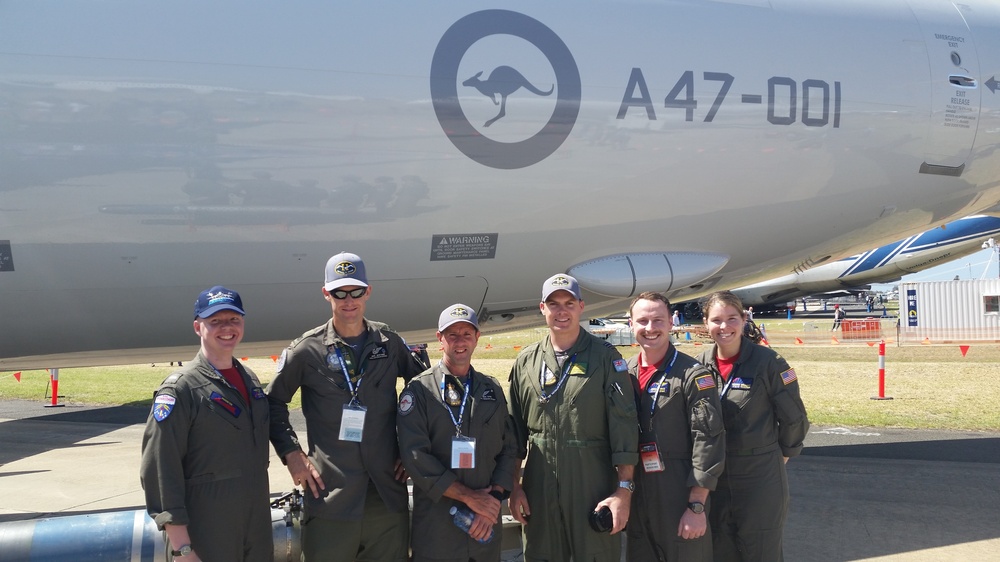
<point x="463" y="246"/>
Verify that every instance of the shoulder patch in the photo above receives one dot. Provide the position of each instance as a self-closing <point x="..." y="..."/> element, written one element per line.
<point x="620" y="365"/>
<point x="788" y="377"/>
<point x="406" y="402"/>
<point x="705" y="382"/>
<point x="163" y="404"/>
<point x="281" y="361"/>
<point x="257" y="393"/>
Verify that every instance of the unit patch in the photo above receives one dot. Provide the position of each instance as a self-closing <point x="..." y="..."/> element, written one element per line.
<point x="704" y="382"/>
<point x="657" y="388"/>
<point x="578" y="369"/>
<point x="740" y="383"/>
<point x="489" y="395"/>
<point x="281" y="361"/>
<point x="620" y="365"/>
<point x="257" y="393"/>
<point x="405" y="403"/>
<point x="788" y="377"/>
<point x="378" y="353"/>
<point x="162" y="406"/>
<point x="226" y="405"/>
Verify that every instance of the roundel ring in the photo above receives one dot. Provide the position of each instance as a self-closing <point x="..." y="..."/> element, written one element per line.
<point x="444" y="89"/>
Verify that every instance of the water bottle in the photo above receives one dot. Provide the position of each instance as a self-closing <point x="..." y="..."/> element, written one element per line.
<point x="463" y="517"/>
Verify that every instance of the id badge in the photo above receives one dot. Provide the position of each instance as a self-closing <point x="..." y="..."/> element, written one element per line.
<point x="463" y="452"/>
<point x="352" y="424"/>
<point x="651" y="461"/>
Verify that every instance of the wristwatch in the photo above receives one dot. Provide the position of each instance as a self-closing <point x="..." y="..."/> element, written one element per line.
<point x="184" y="550"/>
<point x="696" y="507"/>
<point x="627" y="484"/>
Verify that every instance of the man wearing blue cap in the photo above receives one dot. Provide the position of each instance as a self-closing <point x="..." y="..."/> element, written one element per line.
<point x="204" y="451"/>
<point x="355" y="501"/>
<point x="458" y="447"/>
<point x="573" y="409"/>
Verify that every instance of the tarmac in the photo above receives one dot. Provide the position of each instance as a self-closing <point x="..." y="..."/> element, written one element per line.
<point x="857" y="494"/>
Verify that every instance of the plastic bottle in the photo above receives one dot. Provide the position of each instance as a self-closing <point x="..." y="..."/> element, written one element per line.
<point x="463" y="517"/>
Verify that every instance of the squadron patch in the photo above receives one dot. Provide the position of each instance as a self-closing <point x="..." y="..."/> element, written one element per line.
<point x="578" y="369"/>
<point x="378" y="353"/>
<point x="257" y="393"/>
<point x="405" y="403"/>
<point x="281" y="361"/>
<point x="704" y="382"/>
<point x="620" y="365"/>
<point x="226" y="405"/>
<point x="162" y="406"/>
<point x="489" y="395"/>
<point x="452" y="396"/>
<point x="740" y="383"/>
<point x="657" y="388"/>
<point x="788" y="377"/>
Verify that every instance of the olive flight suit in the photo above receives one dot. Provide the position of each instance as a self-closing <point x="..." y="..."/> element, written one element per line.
<point x="685" y="426"/>
<point x="426" y="427"/>
<point x="204" y="462"/>
<point x="348" y="468"/>
<point x="765" y="421"/>
<point x="572" y="443"/>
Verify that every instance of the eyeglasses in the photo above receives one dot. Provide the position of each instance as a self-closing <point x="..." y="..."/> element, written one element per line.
<point x="355" y="294"/>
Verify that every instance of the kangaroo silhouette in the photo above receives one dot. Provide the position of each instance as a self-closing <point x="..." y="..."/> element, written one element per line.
<point x="504" y="80"/>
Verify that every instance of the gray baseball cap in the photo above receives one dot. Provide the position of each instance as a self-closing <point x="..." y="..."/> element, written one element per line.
<point x="457" y="313"/>
<point x="345" y="269"/>
<point x="561" y="282"/>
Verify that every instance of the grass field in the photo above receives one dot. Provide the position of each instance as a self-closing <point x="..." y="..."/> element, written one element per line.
<point x="931" y="386"/>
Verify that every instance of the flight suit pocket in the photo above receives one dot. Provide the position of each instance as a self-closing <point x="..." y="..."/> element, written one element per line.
<point x="787" y="409"/>
<point x="220" y="413"/>
<point x="706" y="419"/>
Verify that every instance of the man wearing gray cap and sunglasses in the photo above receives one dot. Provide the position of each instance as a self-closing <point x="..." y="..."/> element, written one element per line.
<point x="355" y="493"/>
<point x="458" y="446"/>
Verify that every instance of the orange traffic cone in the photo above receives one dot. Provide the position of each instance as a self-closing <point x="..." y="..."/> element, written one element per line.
<point x="834" y="340"/>
<point x="799" y="341"/>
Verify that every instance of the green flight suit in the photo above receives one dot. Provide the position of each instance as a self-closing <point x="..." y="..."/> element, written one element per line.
<point x="204" y="462"/>
<point x="426" y="430"/>
<point x="347" y="468"/>
<point x="765" y="421"/>
<point x="572" y="443"/>
<point x="686" y="426"/>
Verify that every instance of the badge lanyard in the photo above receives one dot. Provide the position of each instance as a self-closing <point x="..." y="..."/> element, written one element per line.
<point x="544" y="398"/>
<point x="352" y="424"/>
<point x="465" y="400"/>
<point x="347" y="377"/>
<point x="729" y="383"/>
<point x="659" y="388"/>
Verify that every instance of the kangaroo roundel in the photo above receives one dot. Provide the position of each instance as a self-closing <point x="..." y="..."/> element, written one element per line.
<point x="501" y="83"/>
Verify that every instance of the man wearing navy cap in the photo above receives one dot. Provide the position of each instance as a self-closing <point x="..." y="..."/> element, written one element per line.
<point x="355" y="501"/>
<point x="573" y="408"/>
<point x="458" y="447"/>
<point x="204" y="451"/>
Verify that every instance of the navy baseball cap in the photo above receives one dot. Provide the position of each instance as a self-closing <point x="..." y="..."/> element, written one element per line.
<point x="561" y="282"/>
<point x="345" y="269"/>
<point x="457" y="313"/>
<point x="215" y="299"/>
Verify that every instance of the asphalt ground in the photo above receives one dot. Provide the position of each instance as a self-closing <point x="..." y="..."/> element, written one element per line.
<point x="857" y="494"/>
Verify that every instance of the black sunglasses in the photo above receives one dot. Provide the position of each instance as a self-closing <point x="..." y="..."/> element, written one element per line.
<point x="355" y="294"/>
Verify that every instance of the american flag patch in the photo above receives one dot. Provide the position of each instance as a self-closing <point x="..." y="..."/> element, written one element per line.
<point x="788" y="377"/>
<point x="705" y="382"/>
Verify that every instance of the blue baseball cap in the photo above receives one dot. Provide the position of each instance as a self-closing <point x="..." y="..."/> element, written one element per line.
<point x="215" y="299"/>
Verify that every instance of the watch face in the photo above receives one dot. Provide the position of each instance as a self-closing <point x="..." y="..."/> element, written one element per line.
<point x="696" y="507"/>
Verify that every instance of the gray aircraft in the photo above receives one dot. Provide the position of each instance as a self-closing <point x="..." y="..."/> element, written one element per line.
<point x="150" y="149"/>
